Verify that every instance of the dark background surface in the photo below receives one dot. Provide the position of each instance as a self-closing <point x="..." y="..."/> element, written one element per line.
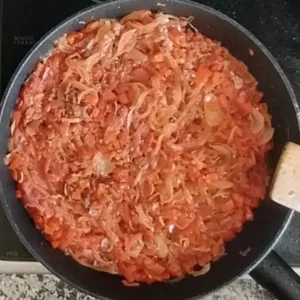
<point x="275" y="23"/>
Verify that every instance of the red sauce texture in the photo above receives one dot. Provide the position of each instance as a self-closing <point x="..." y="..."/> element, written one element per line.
<point x="138" y="147"/>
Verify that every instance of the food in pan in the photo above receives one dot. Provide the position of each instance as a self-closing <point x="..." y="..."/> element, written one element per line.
<point x="138" y="147"/>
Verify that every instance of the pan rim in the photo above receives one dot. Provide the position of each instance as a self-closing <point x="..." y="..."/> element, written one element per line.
<point x="79" y="15"/>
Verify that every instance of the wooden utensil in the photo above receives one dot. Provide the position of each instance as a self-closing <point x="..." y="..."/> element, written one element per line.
<point x="285" y="186"/>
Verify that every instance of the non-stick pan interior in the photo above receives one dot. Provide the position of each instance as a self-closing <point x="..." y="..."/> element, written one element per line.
<point x="257" y="236"/>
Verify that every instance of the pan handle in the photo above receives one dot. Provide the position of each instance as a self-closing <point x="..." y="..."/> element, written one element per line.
<point x="274" y="274"/>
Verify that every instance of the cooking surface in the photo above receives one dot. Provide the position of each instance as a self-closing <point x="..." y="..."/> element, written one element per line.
<point x="275" y="23"/>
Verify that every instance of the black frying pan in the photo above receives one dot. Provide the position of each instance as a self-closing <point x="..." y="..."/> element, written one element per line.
<point x="258" y="237"/>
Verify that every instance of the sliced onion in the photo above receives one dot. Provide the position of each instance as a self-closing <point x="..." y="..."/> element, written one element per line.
<point x="267" y="136"/>
<point x="161" y="20"/>
<point x="232" y="134"/>
<point x="130" y="284"/>
<point x="225" y="151"/>
<point x="63" y="89"/>
<point x="222" y="194"/>
<point x="12" y="127"/>
<point x="63" y="45"/>
<point x="223" y="185"/>
<point x="238" y="82"/>
<point x="91" y="61"/>
<point x="143" y="218"/>
<point x="212" y="109"/>
<point x="140" y="100"/>
<point x="129" y="118"/>
<point x="102" y="166"/>
<point x="79" y="85"/>
<point x="166" y="195"/>
<point x="175" y="147"/>
<point x="177" y="95"/>
<point x="137" y="55"/>
<point x="256" y="121"/>
<point x="203" y="271"/>
<point x="136" y="16"/>
<point x="6" y="159"/>
<point x="110" y="223"/>
<point x="187" y="194"/>
<point x="169" y="129"/>
<point x="127" y="42"/>
<point x="106" y="245"/>
<point x="136" y="245"/>
<point x="162" y="248"/>
<point x="105" y="27"/>
<point x="87" y="92"/>
<point x="173" y="63"/>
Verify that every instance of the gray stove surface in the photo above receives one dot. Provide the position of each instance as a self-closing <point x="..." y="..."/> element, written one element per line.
<point x="289" y="244"/>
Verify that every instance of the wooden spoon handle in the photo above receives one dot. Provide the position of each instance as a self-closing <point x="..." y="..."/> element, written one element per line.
<point x="285" y="186"/>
